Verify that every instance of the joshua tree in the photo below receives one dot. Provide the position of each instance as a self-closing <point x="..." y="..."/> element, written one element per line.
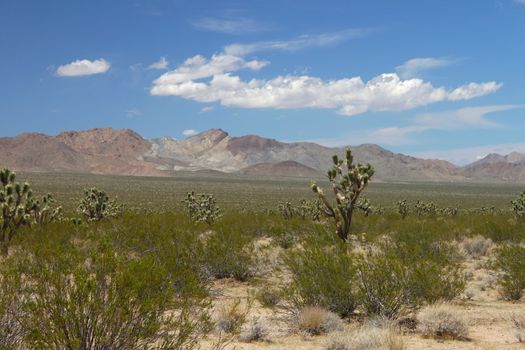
<point x="202" y="207"/>
<point x="96" y="205"/>
<point x="518" y="206"/>
<point x="348" y="180"/>
<point x="45" y="210"/>
<point x="16" y="207"/>
<point x="403" y="208"/>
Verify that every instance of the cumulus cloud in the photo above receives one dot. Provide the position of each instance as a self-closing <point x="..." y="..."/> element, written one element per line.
<point x="207" y="109"/>
<point x="211" y="80"/>
<point x="162" y="63"/>
<point x="80" y="68"/>
<point x="229" y="26"/>
<point x="189" y="132"/>
<point x="414" y="67"/>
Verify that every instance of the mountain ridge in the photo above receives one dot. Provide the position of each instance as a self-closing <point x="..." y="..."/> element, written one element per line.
<point x="125" y="152"/>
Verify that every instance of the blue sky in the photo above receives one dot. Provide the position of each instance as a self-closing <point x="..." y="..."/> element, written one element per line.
<point x="440" y="79"/>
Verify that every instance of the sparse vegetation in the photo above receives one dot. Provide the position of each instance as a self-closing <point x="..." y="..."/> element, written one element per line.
<point x="390" y="265"/>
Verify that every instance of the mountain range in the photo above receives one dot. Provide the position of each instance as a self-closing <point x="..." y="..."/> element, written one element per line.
<point x="124" y="152"/>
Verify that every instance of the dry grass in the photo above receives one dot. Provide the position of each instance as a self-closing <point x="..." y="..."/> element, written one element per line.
<point x="442" y="321"/>
<point x="476" y="246"/>
<point x="256" y="330"/>
<point x="366" y="338"/>
<point x="231" y="316"/>
<point x="315" y="320"/>
<point x="518" y="323"/>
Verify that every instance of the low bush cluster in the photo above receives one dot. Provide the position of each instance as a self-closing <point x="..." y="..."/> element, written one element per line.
<point x="385" y="278"/>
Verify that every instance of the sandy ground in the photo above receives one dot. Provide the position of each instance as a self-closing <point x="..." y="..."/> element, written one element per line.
<point x="487" y="316"/>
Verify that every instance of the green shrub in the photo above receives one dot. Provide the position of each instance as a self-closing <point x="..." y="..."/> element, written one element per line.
<point x="80" y="291"/>
<point x="510" y="261"/>
<point x="383" y="283"/>
<point x="392" y="277"/>
<point x="322" y="277"/>
<point x="228" y="253"/>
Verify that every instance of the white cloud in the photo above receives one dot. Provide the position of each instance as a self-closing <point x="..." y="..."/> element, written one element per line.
<point x="520" y="2"/>
<point x="189" y="132"/>
<point x="301" y="42"/>
<point x="83" y="67"/>
<point x="207" y="109"/>
<point x="133" y="113"/>
<point x="463" y="156"/>
<point x="414" y="67"/>
<point x="229" y="26"/>
<point x="203" y="80"/>
<point x="162" y="63"/>
<point x="198" y="67"/>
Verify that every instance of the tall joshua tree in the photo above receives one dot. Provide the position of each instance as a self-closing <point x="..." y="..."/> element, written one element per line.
<point x="348" y="180"/>
<point x="16" y="206"/>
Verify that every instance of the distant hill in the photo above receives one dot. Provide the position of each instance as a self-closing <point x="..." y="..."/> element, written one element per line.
<point x="124" y="152"/>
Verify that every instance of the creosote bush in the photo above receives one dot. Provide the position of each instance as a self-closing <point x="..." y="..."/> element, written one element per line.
<point x="510" y="262"/>
<point x="83" y="294"/>
<point x="228" y="253"/>
<point x="323" y="277"/>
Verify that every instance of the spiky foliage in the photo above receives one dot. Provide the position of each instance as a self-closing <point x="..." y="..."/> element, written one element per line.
<point x="403" y="208"/>
<point x="305" y="209"/>
<point x="518" y="207"/>
<point x="365" y="206"/>
<point x="348" y="181"/>
<point x="421" y="208"/>
<point x="286" y="210"/>
<point x="96" y="205"/>
<point x="202" y="207"/>
<point x="46" y="210"/>
<point x="16" y="207"/>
